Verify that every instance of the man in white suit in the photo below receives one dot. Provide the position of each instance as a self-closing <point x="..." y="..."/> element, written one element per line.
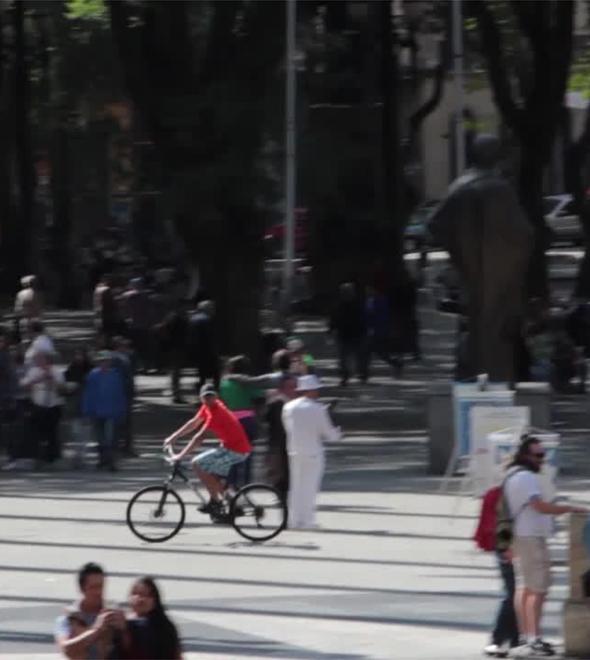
<point x="307" y="425"/>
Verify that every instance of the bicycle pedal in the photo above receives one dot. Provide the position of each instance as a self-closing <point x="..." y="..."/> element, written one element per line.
<point x="221" y="518"/>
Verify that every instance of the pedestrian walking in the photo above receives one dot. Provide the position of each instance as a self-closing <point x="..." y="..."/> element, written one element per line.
<point x="241" y="399"/>
<point x="138" y="319"/>
<point x="124" y="363"/>
<point x="405" y="327"/>
<point x="41" y="342"/>
<point x="307" y="425"/>
<point x="104" y="401"/>
<point x="75" y="377"/>
<point x="150" y="634"/>
<point x="107" y="320"/>
<point x="22" y="445"/>
<point x="301" y="362"/>
<point x="27" y="306"/>
<point x="277" y="457"/>
<point x="46" y="385"/>
<point x="379" y="332"/>
<point x="348" y="326"/>
<point x="532" y="525"/>
<point x="172" y="337"/>
<point x="88" y="629"/>
<point x="505" y="632"/>
<point x="202" y="344"/>
<point x="8" y="389"/>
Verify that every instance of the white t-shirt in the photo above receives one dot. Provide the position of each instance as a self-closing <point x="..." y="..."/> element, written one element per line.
<point x="45" y="393"/>
<point x="520" y="489"/>
<point x="41" y="344"/>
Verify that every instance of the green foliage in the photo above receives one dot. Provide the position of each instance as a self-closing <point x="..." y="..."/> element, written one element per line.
<point x="579" y="80"/>
<point x="87" y="10"/>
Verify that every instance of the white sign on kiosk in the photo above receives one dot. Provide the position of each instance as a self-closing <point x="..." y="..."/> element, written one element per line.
<point x="485" y="420"/>
<point x="468" y="395"/>
<point x="504" y="443"/>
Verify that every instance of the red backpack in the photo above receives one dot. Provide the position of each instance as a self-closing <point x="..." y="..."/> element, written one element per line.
<point x="485" y="534"/>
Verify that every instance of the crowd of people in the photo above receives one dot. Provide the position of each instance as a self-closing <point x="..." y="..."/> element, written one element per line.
<point x="94" y="393"/>
<point x="367" y="326"/>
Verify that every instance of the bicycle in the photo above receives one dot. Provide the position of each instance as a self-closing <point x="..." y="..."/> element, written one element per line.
<point x="157" y="513"/>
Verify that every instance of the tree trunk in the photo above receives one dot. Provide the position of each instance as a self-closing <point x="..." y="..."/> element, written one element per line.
<point x="67" y="294"/>
<point x="392" y="207"/>
<point x="24" y="165"/>
<point x="225" y="245"/>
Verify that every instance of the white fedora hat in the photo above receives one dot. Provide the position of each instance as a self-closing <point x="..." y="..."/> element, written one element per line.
<point x="308" y="383"/>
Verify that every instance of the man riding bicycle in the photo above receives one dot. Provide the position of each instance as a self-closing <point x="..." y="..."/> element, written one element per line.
<point x="212" y="466"/>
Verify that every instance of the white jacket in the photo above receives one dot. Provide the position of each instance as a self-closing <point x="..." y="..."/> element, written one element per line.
<point x="307" y="425"/>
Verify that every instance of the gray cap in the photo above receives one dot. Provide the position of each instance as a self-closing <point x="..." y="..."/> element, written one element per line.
<point x="208" y="390"/>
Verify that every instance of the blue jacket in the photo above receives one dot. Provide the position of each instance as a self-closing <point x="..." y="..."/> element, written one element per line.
<point x="104" y="394"/>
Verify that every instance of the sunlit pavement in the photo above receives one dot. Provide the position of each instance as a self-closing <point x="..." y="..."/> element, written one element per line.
<point x="391" y="574"/>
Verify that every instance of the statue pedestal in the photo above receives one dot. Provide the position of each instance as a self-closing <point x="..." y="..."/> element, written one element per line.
<point x="440" y="427"/>
<point x="537" y="396"/>
<point x="576" y="611"/>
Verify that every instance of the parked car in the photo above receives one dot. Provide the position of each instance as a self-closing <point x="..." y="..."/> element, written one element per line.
<point x="563" y="264"/>
<point x="274" y="235"/>
<point x="561" y="218"/>
<point x="416" y="234"/>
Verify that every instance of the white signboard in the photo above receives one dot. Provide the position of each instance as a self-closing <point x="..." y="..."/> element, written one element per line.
<point x="484" y="421"/>
<point x="465" y="397"/>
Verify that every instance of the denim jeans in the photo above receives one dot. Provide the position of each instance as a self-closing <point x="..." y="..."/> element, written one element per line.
<point x="105" y="430"/>
<point x="506" y="628"/>
<point x="239" y="475"/>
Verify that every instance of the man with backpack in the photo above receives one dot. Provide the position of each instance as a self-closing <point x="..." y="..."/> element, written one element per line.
<point x="505" y="632"/>
<point x="523" y="525"/>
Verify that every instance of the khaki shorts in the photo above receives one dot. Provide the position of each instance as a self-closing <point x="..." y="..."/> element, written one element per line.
<point x="532" y="564"/>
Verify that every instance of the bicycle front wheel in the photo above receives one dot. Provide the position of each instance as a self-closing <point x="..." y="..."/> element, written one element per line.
<point x="258" y="512"/>
<point x="155" y="514"/>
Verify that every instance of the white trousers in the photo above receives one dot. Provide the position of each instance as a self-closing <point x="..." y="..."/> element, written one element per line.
<point x="305" y="480"/>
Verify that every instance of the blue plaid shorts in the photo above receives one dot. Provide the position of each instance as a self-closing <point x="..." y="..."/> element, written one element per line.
<point x="219" y="461"/>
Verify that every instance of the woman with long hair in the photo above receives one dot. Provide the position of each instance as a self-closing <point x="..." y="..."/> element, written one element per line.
<point x="150" y="635"/>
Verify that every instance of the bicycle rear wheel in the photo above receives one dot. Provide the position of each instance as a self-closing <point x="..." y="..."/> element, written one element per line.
<point x="155" y="514"/>
<point x="258" y="512"/>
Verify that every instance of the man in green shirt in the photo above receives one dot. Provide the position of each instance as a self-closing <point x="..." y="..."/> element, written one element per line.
<point x="240" y="398"/>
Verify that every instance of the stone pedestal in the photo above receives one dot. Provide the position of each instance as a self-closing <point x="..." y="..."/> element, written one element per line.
<point x="440" y="427"/>
<point x="537" y="396"/>
<point x="576" y="612"/>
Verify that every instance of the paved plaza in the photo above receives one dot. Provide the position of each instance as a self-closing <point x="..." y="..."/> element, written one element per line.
<point x="391" y="574"/>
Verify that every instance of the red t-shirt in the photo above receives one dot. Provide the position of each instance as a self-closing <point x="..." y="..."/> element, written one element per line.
<point x="226" y="427"/>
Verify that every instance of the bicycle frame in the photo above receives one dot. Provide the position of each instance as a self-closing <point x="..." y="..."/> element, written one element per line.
<point x="179" y="471"/>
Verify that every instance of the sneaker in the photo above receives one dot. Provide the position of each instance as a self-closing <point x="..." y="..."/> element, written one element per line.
<point x="522" y="651"/>
<point x="496" y="650"/>
<point x="542" y="648"/>
<point x="212" y="506"/>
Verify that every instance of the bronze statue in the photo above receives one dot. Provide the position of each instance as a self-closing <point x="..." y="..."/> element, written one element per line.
<point x="489" y="240"/>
